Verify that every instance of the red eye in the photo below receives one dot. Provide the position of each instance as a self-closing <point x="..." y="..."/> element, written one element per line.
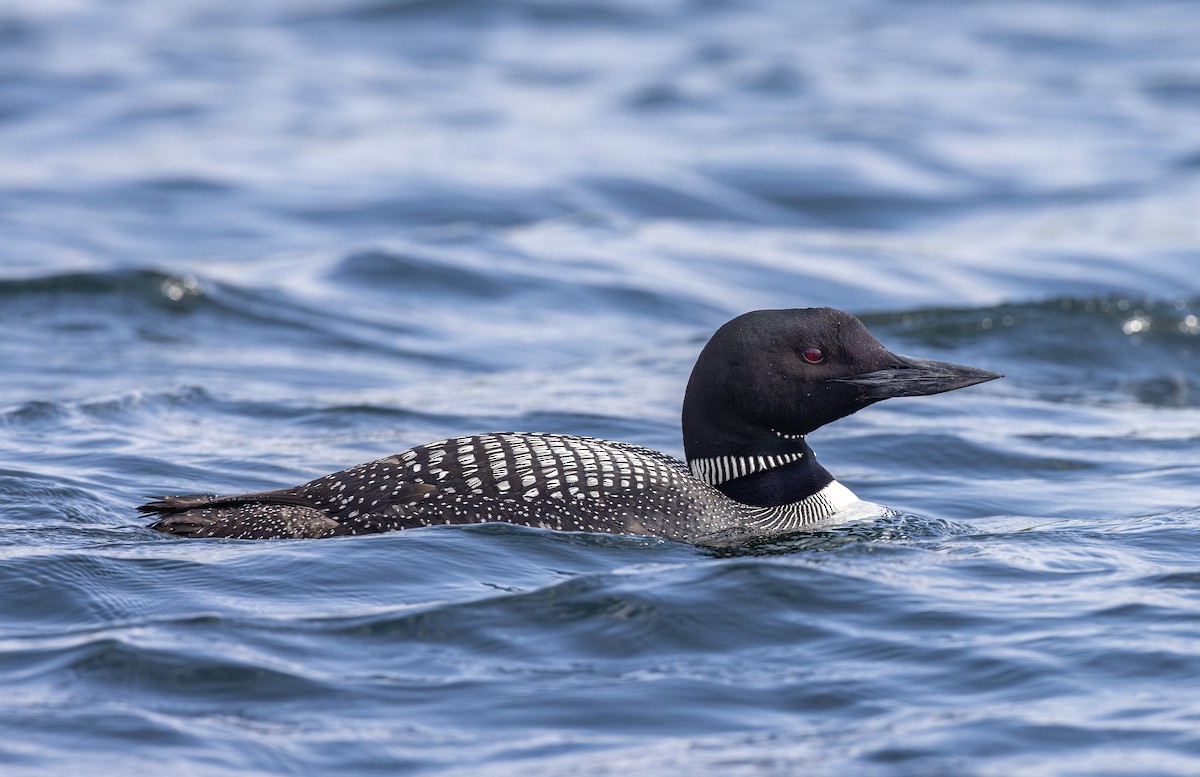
<point x="813" y="355"/>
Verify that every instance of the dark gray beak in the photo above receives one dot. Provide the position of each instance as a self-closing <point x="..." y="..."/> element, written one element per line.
<point x="913" y="377"/>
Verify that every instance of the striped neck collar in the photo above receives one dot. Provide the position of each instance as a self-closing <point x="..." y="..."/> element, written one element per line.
<point x="807" y="513"/>
<point x="716" y="470"/>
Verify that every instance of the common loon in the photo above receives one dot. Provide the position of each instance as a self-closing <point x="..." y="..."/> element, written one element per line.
<point x="761" y="384"/>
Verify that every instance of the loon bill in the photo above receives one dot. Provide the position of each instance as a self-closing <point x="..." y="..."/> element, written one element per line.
<point x="761" y="384"/>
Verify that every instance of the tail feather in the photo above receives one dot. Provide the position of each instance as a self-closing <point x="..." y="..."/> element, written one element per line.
<point x="249" y="522"/>
<point x="175" y="504"/>
<point x="273" y="514"/>
<point x="171" y="504"/>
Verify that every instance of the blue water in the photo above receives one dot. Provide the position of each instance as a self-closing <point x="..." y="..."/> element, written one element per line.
<point x="243" y="244"/>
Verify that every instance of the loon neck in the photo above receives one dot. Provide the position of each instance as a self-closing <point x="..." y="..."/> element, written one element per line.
<point x="766" y="480"/>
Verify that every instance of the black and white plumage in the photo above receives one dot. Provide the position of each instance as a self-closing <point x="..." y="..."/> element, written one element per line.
<point x="763" y="382"/>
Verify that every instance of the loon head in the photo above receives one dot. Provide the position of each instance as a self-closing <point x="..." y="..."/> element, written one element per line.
<point x="769" y="377"/>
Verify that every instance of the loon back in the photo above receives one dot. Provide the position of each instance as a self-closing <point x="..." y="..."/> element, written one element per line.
<point x="761" y="384"/>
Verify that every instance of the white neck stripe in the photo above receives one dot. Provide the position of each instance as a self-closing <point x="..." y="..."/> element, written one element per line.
<point x="719" y="469"/>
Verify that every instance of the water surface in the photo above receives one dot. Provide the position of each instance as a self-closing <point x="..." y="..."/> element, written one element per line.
<point x="244" y="244"/>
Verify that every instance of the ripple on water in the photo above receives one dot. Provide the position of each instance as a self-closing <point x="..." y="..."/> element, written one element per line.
<point x="244" y="244"/>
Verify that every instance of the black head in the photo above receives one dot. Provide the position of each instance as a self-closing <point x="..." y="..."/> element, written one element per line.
<point x="771" y="375"/>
